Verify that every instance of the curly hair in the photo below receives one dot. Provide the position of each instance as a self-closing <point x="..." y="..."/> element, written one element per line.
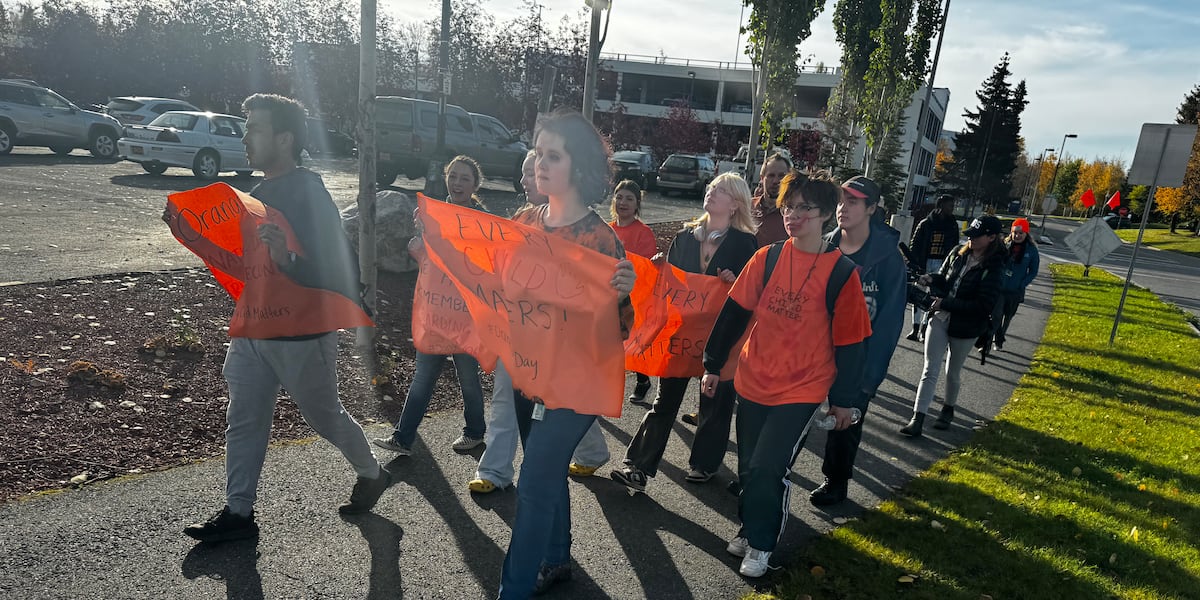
<point x="287" y="116"/>
<point x="591" y="171"/>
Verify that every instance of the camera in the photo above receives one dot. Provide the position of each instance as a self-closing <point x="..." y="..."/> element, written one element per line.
<point x="915" y="293"/>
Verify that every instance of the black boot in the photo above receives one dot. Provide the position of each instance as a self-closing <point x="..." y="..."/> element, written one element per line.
<point x="915" y="336"/>
<point x="944" y="419"/>
<point x="913" y="429"/>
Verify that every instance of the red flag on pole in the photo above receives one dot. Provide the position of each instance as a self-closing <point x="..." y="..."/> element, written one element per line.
<point x="1115" y="201"/>
<point x="1088" y="199"/>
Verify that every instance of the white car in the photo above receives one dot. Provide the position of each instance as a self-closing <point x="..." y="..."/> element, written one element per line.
<point x="207" y="143"/>
<point x="140" y="110"/>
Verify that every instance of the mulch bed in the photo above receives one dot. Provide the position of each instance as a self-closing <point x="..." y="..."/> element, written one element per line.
<point x="121" y="374"/>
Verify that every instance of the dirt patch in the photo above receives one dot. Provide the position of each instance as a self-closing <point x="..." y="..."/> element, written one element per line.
<point x="106" y="376"/>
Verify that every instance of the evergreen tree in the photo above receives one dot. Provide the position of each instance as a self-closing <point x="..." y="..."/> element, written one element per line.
<point x="990" y="143"/>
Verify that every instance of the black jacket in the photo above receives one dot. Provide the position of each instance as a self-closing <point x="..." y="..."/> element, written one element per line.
<point x="733" y="253"/>
<point x="970" y="306"/>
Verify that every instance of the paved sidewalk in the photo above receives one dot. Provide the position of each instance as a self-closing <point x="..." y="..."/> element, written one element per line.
<point x="430" y="538"/>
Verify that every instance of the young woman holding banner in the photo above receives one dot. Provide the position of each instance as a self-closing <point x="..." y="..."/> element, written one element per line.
<point x="463" y="179"/>
<point x="626" y="211"/>
<point x="797" y="355"/>
<point x="573" y="171"/>
<point x="718" y="243"/>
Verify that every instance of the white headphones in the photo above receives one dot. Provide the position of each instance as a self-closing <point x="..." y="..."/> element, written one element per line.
<point x="712" y="236"/>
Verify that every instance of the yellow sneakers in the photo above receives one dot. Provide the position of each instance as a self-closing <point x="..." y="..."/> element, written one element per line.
<point x="481" y="486"/>
<point x="579" y="470"/>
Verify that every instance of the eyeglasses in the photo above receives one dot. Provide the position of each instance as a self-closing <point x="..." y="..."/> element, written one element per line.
<point x="787" y="208"/>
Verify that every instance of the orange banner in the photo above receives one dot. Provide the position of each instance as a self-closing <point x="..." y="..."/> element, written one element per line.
<point x="679" y="310"/>
<point x="220" y="225"/>
<point x="541" y="303"/>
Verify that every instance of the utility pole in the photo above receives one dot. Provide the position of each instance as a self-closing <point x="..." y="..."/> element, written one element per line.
<point x="367" y="60"/>
<point x="435" y="187"/>
<point x="909" y="192"/>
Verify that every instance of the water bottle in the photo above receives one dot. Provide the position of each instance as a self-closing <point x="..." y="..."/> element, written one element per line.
<point x="828" y="422"/>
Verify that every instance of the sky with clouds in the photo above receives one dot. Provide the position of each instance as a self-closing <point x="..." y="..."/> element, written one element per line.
<point x="1095" y="68"/>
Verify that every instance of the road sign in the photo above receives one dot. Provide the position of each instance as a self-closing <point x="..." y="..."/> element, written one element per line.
<point x="1092" y="241"/>
<point x="1162" y="155"/>
<point x="1049" y="205"/>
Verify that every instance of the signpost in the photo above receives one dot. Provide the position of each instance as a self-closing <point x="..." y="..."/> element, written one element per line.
<point x="1161" y="159"/>
<point x="1091" y="242"/>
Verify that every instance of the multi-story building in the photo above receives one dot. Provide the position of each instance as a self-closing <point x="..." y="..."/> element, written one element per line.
<point x="721" y="92"/>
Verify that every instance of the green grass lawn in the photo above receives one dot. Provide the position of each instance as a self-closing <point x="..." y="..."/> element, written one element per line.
<point x="1183" y="242"/>
<point x="1087" y="485"/>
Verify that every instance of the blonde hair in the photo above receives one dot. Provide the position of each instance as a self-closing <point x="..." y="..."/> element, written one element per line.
<point x="736" y="187"/>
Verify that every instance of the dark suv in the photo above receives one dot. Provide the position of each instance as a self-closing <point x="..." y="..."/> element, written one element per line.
<point x="31" y="115"/>
<point x="686" y="172"/>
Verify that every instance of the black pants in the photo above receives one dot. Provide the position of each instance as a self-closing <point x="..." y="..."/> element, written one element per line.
<point x="646" y="449"/>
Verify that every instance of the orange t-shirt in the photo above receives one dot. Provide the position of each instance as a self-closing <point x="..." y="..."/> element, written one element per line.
<point x="788" y="357"/>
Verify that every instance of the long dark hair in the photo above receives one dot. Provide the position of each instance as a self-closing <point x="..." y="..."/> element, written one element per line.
<point x="591" y="171"/>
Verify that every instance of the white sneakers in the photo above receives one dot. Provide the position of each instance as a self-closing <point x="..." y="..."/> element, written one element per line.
<point x="737" y="546"/>
<point x="756" y="562"/>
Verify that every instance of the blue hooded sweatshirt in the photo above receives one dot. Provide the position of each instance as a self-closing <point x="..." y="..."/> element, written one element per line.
<point x="884" y="277"/>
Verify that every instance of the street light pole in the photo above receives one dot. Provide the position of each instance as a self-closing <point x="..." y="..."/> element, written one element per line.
<point x="1054" y="177"/>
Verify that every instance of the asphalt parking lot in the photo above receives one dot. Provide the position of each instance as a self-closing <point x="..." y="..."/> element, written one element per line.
<point x="75" y="215"/>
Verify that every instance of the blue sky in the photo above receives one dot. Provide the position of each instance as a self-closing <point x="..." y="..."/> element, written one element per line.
<point x="1097" y="68"/>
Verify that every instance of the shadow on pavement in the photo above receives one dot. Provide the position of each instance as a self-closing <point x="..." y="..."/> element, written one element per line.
<point x="235" y="563"/>
<point x="383" y="540"/>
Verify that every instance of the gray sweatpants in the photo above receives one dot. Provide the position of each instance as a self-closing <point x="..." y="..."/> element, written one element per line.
<point x="255" y="370"/>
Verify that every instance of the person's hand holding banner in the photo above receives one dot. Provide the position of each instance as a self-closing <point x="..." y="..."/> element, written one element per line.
<point x="544" y="305"/>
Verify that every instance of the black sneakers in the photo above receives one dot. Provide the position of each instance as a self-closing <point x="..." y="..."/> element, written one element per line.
<point x="366" y="493"/>
<point x="223" y="527"/>
<point x="829" y="493"/>
<point x="549" y="576"/>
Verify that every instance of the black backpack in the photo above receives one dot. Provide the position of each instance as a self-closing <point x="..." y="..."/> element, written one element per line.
<point x="841" y="273"/>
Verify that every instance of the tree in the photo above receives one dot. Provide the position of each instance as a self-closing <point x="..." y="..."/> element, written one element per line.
<point x="775" y="30"/>
<point x="897" y="68"/>
<point x="988" y="147"/>
<point x="680" y="130"/>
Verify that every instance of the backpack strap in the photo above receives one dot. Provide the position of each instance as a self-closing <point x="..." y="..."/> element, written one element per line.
<point x="772" y="257"/>
<point x="837" y="279"/>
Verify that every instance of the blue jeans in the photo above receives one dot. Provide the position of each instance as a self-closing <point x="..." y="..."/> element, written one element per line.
<point x="496" y="463"/>
<point x="542" y="532"/>
<point x="429" y="367"/>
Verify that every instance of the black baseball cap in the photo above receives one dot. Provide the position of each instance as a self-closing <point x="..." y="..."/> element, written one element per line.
<point x="863" y="187"/>
<point x="984" y="225"/>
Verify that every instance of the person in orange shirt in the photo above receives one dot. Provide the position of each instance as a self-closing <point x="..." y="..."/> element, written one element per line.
<point x="638" y="238"/>
<point x="796" y="356"/>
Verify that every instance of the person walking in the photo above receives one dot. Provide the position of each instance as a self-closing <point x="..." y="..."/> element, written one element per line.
<point x="874" y="248"/>
<point x="718" y="244"/>
<point x="798" y="354"/>
<point x="638" y="238"/>
<point x="573" y="171"/>
<point x="463" y="180"/>
<point x="1021" y="269"/>
<point x="964" y="291"/>
<point x="304" y="361"/>
<point x="931" y="242"/>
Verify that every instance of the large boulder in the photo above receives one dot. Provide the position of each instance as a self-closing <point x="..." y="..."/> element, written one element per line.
<point x="393" y="228"/>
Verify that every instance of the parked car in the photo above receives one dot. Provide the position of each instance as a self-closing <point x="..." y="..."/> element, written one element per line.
<point x="636" y="166"/>
<point x="207" y="143"/>
<point x="324" y="140"/>
<point x="31" y="115"/>
<point x="686" y="172"/>
<point x="406" y="135"/>
<point x="139" y="110"/>
<point x="1115" y="221"/>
